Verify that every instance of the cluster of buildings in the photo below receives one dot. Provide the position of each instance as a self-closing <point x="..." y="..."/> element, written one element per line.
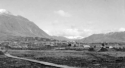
<point x="40" y="43"/>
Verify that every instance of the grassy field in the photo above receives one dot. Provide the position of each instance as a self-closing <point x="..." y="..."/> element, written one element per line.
<point x="81" y="59"/>
<point x="6" y="62"/>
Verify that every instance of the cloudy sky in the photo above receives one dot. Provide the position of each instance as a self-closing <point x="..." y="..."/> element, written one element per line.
<point x="71" y="18"/>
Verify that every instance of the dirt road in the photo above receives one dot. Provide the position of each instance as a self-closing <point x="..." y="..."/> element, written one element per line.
<point x="41" y="62"/>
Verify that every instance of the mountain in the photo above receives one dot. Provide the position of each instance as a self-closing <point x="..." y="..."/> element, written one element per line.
<point x="109" y="37"/>
<point x="12" y="25"/>
<point x="60" y="38"/>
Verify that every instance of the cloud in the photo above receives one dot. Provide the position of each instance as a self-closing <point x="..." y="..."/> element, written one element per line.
<point x="62" y="13"/>
<point x="74" y="37"/>
<point x="121" y="29"/>
<point x="48" y="32"/>
<point x="4" y="11"/>
<point x="72" y="33"/>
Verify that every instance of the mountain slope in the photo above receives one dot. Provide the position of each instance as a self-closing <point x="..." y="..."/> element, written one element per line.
<point x="109" y="37"/>
<point x="11" y="25"/>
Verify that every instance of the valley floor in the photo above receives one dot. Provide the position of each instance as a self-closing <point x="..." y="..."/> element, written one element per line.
<point x="80" y="59"/>
<point x="7" y="62"/>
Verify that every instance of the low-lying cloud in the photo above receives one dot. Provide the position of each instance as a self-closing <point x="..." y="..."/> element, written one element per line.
<point x="121" y="29"/>
<point x="71" y="33"/>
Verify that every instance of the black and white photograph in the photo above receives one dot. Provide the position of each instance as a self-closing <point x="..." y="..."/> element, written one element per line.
<point x="62" y="33"/>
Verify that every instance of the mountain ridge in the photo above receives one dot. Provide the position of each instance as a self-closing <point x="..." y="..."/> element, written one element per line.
<point x="11" y="25"/>
<point x="108" y="37"/>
